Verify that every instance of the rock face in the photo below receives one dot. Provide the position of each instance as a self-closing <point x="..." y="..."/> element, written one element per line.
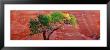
<point x="88" y="26"/>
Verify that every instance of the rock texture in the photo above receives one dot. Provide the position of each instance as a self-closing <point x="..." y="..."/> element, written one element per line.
<point x="88" y="25"/>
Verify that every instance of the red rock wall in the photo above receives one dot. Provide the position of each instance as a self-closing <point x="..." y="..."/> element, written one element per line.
<point x="88" y="25"/>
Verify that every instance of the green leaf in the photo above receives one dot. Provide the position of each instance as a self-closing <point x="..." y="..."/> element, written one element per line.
<point x="73" y="20"/>
<point x="34" y="26"/>
<point x="46" y="22"/>
<point x="57" y="16"/>
<point x="44" y="19"/>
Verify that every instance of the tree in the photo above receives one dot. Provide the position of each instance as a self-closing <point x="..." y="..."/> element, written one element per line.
<point x="48" y="23"/>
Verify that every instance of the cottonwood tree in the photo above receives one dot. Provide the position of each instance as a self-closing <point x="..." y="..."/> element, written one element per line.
<point x="48" y="23"/>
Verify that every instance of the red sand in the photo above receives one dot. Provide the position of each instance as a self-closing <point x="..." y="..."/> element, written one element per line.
<point x="88" y="26"/>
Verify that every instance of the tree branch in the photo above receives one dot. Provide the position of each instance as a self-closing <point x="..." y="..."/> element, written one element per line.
<point x="52" y="32"/>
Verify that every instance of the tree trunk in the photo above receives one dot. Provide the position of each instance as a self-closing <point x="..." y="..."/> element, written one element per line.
<point x="44" y="35"/>
<point x="49" y="33"/>
<point x="47" y="37"/>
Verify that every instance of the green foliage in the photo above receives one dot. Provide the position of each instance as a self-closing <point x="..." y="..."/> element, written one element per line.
<point x="34" y="26"/>
<point x="43" y="21"/>
<point x="73" y="20"/>
<point x="57" y="16"/>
